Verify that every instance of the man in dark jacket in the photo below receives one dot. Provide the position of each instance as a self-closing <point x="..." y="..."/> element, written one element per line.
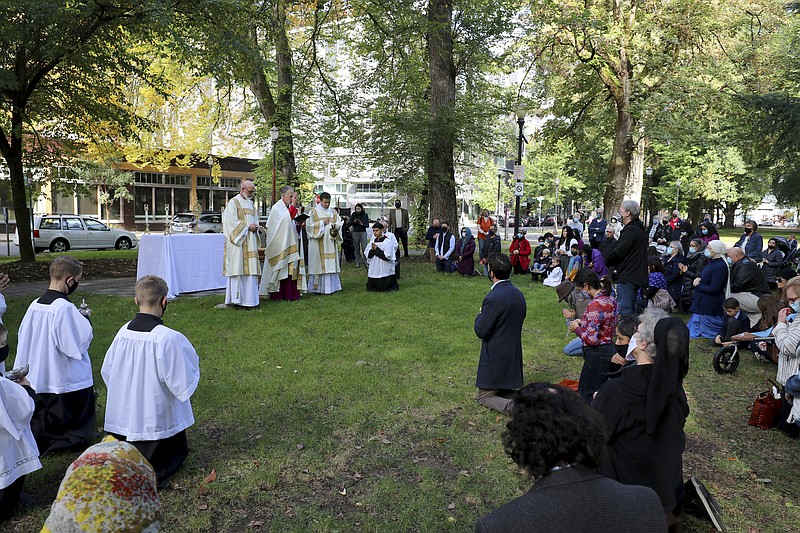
<point x="499" y="326"/>
<point x="748" y="284"/>
<point x="751" y="241"/>
<point x="629" y="258"/>
<point x="597" y="230"/>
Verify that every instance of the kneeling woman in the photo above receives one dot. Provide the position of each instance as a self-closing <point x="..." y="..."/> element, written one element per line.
<point x="645" y="410"/>
<point x="380" y="254"/>
<point x="596" y="331"/>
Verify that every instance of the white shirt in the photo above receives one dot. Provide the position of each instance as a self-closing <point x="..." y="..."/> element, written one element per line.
<point x="18" y="452"/>
<point x="54" y="340"/>
<point x="398" y="218"/>
<point x="150" y="377"/>
<point x="378" y="268"/>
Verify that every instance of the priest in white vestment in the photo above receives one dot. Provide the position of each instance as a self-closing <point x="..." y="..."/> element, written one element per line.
<point x="54" y="339"/>
<point x="284" y="275"/>
<point x="151" y="372"/>
<point x="18" y="452"/>
<point x="380" y="253"/>
<point x="324" y="227"/>
<point x="240" y="224"/>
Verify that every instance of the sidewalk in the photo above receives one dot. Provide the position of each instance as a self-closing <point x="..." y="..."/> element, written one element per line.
<point x="111" y="286"/>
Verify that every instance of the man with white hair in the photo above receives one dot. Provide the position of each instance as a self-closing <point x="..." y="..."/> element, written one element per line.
<point x="748" y="283"/>
<point x="609" y="242"/>
<point x="284" y="275"/>
<point x="240" y="224"/>
<point x="629" y="258"/>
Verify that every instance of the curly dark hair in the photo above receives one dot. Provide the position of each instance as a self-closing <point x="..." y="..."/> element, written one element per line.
<point x="551" y="425"/>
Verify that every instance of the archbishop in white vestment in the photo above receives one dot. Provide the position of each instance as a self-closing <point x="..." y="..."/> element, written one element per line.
<point x="239" y="224"/>
<point x="284" y="276"/>
<point x="18" y="452"/>
<point x="324" y="229"/>
<point x="54" y="340"/>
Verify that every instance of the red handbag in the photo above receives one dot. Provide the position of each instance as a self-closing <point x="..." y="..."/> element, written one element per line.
<point x="766" y="409"/>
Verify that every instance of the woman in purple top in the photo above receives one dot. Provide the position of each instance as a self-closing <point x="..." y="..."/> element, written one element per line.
<point x="464" y="252"/>
<point x="707" y="232"/>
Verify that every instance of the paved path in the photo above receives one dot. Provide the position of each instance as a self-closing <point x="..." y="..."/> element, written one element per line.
<point x="110" y="286"/>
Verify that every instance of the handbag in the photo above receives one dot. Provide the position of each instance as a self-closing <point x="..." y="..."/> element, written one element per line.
<point x="766" y="409"/>
<point x="662" y="300"/>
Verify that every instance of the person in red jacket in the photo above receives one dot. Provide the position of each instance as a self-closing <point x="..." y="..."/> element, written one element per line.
<point x="520" y="253"/>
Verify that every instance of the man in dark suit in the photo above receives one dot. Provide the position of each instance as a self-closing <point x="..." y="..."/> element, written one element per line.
<point x="559" y="440"/>
<point x="399" y="224"/>
<point x="499" y="325"/>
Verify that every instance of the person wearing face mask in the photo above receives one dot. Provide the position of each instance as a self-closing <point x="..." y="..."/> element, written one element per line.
<point x="624" y="332"/>
<point x="358" y="229"/>
<point x="60" y="369"/>
<point x="491" y="249"/>
<point x="629" y="258"/>
<point x="575" y="224"/>
<point x="672" y="271"/>
<point x="445" y="248"/>
<point x="595" y="328"/>
<point x="709" y="293"/>
<point x="151" y="372"/>
<point x="520" y="253"/>
<point x="773" y="258"/>
<point x="645" y="410"/>
<point x="707" y="232"/>
<point x="694" y="263"/>
<point x="664" y="232"/>
<point x="751" y="241"/>
<point x="399" y="224"/>
<point x="748" y="283"/>
<point x="597" y="230"/>
<point x="787" y="339"/>
<point x="485" y="223"/>
<point x="465" y="252"/>
<point x="241" y="268"/>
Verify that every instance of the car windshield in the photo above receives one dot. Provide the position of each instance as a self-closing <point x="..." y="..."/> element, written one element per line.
<point x="182" y="219"/>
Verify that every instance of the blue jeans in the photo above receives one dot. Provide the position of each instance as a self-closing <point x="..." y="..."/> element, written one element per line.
<point x="626" y="298"/>
<point x="595" y="369"/>
<point x="574" y="347"/>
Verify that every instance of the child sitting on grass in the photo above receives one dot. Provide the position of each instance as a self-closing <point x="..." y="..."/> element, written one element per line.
<point x="734" y="322"/>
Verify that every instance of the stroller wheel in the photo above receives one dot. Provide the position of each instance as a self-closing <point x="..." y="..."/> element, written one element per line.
<point x="726" y="360"/>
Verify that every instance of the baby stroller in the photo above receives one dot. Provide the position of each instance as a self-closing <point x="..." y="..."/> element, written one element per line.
<point x="726" y="358"/>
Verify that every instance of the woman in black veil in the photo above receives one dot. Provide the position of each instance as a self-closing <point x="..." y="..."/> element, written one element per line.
<point x="645" y="410"/>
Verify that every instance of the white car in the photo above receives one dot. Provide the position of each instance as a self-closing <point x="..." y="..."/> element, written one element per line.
<point x="59" y="233"/>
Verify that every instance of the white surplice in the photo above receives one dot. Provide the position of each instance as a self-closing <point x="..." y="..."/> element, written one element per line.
<point x="18" y="452"/>
<point x="54" y="340"/>
<point x="323" y="250"/>
<point x="241" y="252"/>
<point x="282" y="254"/>
<point x="150" y="376"/>
<point x="379" y="268"/>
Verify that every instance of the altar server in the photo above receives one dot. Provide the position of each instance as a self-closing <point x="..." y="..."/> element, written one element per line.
<point x="380" y="254"/>
<point x="151" y="371"/>
<point x="324" y="229"/>
<point x="18" y="453"/>
<point x="54" y="340"/>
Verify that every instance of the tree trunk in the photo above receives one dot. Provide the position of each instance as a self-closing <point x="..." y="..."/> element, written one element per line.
<point x="729" y="211"/>
<point x="285" y="85"/>
<point x="12" y="153"/>
<point x="619" y="165"/>
<point x="439" y="159"/>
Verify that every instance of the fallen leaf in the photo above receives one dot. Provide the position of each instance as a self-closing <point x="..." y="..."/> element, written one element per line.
<point x="279" y="366"/>
<point x="202" y="507"/>
<point x="203" y="490"/>
<point x="763" y="480"/>
<point x="451" y="506"/>
<point x="211" y="477"/>
<point x="359" y="504"/>
<point x="464" y="473"/>
<point x="732" y="459"/>
<point x="361" y="363"/>
<point x="386" y="441"/>
<point x="472" y="423"/>
<point x="439" y="440"/>
<point x="451" y="519"/>
<point x="301" y="446"/>
<point x="343" y="492"/>
<point x="256" y="523"/>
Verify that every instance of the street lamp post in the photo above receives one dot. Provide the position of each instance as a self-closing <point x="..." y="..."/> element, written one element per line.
<point x="273" y="135"/>
<point x="677" y="192"/>
<point x="540" y="198"/>
<point x="499" y="179"/>
<point x="210" y="161"/>
<point x="555" y="223"/>
<point x="520" y="138"/>
<point x="649" y="173"/>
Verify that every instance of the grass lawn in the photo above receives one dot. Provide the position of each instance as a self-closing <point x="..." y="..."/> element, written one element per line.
<point x="767" y="232"/>
<point x="356" y="412"/>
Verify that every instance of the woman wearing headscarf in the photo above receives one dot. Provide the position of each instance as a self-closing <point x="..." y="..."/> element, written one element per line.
<point x="520" y="253"/>
<point x="110" y="487"/>
<point x="709" y="293"/>
<point x="465" y="250"/>
<point x="645" y="409"/>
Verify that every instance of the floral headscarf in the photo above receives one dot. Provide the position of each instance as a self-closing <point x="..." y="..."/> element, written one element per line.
<point x="110" y="487"/>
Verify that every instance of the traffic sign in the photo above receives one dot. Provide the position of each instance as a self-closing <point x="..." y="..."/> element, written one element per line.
<point x="519" y="189"/>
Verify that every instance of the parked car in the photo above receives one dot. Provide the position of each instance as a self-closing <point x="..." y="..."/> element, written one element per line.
<point x="210" y="222"/>
<point x="59" y="233"/>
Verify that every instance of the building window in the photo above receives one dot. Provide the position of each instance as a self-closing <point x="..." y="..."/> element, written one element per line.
<point x="369" y="187"/>
<point x="230" y="183"/>
<point x="87" y="205"/>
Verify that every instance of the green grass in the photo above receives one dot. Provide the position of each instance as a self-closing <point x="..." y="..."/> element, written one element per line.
<point x="356" y="412"/>
<point x="767" y="232"/>
<point x="81" y="255"/>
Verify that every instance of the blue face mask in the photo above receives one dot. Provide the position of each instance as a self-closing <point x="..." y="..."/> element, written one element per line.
<point x="704" y="231"/>
<point x="729" y="261"/>
<point x="707" y="253"/>
<point x="692" y="249"/>
<point x="795" y="307"/>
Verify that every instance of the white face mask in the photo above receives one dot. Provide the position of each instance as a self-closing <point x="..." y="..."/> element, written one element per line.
<point x="631" y="347"/>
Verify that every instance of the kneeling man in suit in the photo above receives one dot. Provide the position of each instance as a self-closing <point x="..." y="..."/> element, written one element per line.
<point x="559" y="440"/>
<point x="499" y="326"/>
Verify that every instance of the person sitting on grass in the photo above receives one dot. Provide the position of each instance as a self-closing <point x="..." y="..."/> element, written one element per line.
<point x="734" y="322"/>
<point x="54" y="339"/>
<point x="763" y="352"/>
<point x="151" y="372"/>
<point x="554" y="274"/>
<point x="575" y="262"/>
<point x="560" y="441"/>
<point x="541" y="267"/>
